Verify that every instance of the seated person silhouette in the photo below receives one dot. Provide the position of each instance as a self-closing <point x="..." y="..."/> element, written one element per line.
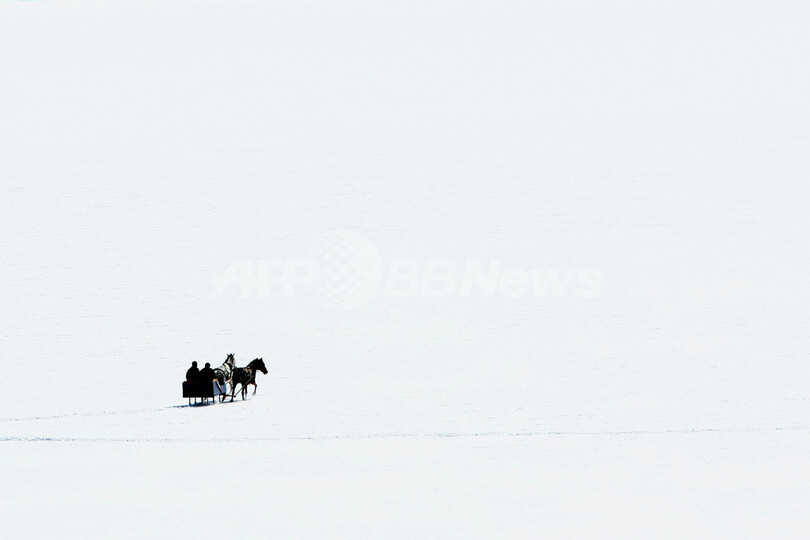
<point x="193" y="373"/>
<point x="206" y="373"/>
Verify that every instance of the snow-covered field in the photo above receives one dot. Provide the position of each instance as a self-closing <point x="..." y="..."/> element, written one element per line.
<point x="518" y="269"/>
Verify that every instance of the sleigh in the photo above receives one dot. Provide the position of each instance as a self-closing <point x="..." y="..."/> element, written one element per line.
<point x="204" y="391"/>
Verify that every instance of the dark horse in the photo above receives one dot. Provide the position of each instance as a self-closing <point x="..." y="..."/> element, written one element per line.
<point x="224" y="373"/>
<point x="246" y="376"/>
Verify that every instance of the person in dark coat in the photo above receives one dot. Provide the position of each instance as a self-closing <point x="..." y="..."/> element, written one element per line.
<point x="206" y="373"/>
<point x="193" y="373"/>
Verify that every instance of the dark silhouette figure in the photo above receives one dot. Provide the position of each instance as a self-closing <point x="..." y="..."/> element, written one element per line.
<point x="193" y="373"/>
<point x="246" y="376"/>
<point x="207" y="374"/>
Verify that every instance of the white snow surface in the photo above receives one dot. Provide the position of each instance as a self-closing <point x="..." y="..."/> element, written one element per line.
<point x="146" y="146"/>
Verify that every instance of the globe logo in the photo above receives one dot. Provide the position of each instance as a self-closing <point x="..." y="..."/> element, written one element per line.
<point x="351" y="270"/>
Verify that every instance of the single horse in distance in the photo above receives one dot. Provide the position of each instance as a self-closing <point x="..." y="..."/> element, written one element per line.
<point x="246" y="376"/>
<point x="224" y="374"/>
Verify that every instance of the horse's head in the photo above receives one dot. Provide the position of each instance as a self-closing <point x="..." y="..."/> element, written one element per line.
<point x="230" y="360"/>
<point x="258" y="364"/>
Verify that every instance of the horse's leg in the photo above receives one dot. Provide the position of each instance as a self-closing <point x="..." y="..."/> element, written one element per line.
<point x="255" y="387"/>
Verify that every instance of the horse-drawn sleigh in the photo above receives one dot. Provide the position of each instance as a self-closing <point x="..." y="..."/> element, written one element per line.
<point x="226" y="377"/>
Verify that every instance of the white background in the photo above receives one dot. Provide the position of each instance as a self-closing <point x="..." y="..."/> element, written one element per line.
<point x="145" y="146"/>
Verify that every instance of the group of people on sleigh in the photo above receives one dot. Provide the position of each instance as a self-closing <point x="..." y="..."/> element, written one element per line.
<point x="204" y="375"/>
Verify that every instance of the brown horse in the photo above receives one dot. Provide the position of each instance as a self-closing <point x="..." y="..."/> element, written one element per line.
<point x="246" y="376"/>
